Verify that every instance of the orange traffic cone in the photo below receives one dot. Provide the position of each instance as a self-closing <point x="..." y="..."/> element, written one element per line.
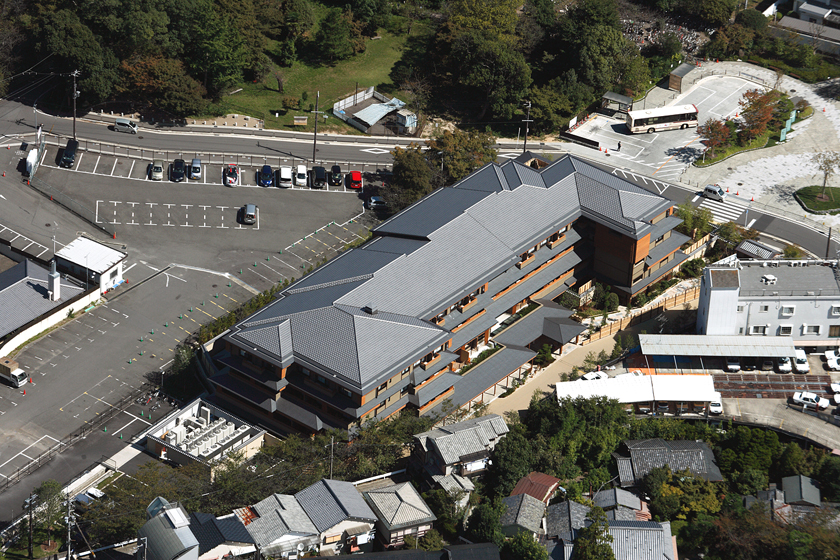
<point x="24" y="392"/>
<point x="752" y="199"/>
<point x="737" y="193"/>
<point x="727" y="189"/>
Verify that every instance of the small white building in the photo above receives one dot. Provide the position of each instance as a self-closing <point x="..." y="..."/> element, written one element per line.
<point x="800" y="299"/>
<point x="92" y="262"/>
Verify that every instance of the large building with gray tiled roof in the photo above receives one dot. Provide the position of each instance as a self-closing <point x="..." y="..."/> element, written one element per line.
<point x="391" y="324"/>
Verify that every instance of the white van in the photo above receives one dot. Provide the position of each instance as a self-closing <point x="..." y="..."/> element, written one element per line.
<point x="715" y="405"/>
<point x="300" y="176"/>
<point x="285" y="176"/>
<point x="125" y="125"/>
<point x="800" y="361"/>
<point x="714" y="192"/>
<point x="195" y="169"/>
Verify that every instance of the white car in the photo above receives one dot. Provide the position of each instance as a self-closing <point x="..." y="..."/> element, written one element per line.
<point x="835" y="388"/>
<point x="716" y="406"/>
<point x="733" y="364"/>
<point x="230" y="175"/>
<point x="594" y="375"/>
<point x="810" y="399"/>
<point x="286" y="177"/>
<point x="784" y="365"/>
<point x="300" y="176"/>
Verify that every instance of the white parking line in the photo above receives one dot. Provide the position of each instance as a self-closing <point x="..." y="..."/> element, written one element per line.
<point x="114" y="167"/>
<point x="95" y="165"/>
<point x="132" y="167"/>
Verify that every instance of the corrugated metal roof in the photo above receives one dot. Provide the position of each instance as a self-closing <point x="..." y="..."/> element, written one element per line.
<point x="329" y="502"/>
<point x="372" y="114"/>
<point x="640" y="389"/>
<point x="91" y="254"/>
<point x="756" y="250"/>
<point x="539" y="485"/>
<point x="640" y="540"/>
<point x="708" y="345"/>
<point x="399" y="506"/>
<point x="165" y="541"/>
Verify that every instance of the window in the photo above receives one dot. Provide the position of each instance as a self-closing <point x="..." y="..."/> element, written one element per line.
<point x="835" y="309"/>
<point x="764" y="308"/>
<point x="346" y="393"/>
<point x="740" y="309"/>
<point x="658" y="239"/>
<point x="305" y="371"/>
<point x="758" y="329"/>
<point x="741" y="330"/>
<point x="834" y="331"/>
<point x="329" y="539"/>
<point x="788" y="310"/>
<point x="785" y="330"/>
<point x="113" y="274"/>
<point x="321" y="379"/>
<point x="812" y="329"/>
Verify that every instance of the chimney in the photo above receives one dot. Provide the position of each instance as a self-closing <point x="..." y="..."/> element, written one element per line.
<point x="370" y="309"/>
<point x="55" y="283"/>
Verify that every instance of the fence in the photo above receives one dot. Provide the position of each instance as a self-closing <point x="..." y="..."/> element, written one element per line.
<point x="68" y="202"/>
<point x="643" y="315"/>
<point x="71" y="440"/>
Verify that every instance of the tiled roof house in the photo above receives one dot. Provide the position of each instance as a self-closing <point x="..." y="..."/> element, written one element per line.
<point x="386" y="325"/>
<point x="344" y="521"/>
<point x="523" y="512"/>
<point x="462" y="448"/>
<point x="401" y="512"/>
<point x="539" y="485"/>
<point x="641" y="456"/>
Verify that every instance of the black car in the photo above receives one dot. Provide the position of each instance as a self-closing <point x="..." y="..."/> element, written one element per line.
<point x="178" y="171"/>
<point x="318" y="178"/>
<point x="336" y="178"/>
<point x="748" y="364"/>
<point x="68" y="158"/>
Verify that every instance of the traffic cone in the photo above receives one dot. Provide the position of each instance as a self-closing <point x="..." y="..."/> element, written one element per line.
<point x="24" y="392"/>
<point x="752" y="199"/>
<point x="727" y="189"/>
<point x="4" y="174"/>
<point x="606" y="151"/>
<point x="737" y="193"/>
<point x="823" y="109"/>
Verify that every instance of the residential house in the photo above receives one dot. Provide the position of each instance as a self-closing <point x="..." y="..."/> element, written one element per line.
<point x="564" y="519"/>
<point x="344" y="521"/>
<point x="621" y="505"/>
<point x="388" y="324"/>
<point x="797" y="299"/>
<point x="478" y="551"/>
<point x="401" y="512"/>
<point x="523" y="512"/>
<point x="632" y="540"/>
<point x="461" y="449"/>
<point x="539" y="485"/>
<point x="220" y="537"/>
<point x="636" y="458"/>
<point x="801" y="490"/>
<point x="166" y="534"/>
<point x="278" y="525"/>
<point x="457" y="486"/>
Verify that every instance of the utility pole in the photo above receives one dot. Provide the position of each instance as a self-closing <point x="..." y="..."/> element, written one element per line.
<point x="332" y="446"/>
<point x="31" y="503"/>
<point x="828" y="244"/>
<point x="315" y="138"/>
<point x="75" y="95"/>
<point x="69" y="525"/>
<point x="526" y="121"/>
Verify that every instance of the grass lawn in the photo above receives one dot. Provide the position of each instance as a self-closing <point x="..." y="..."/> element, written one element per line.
<point x="722" y="153"/>
<point x="19" y="550"/>
<point x="370" y="68"/>
<point x="808" y="196"/>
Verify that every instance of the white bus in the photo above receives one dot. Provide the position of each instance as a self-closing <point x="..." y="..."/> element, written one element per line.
<point x="662" y="118"/>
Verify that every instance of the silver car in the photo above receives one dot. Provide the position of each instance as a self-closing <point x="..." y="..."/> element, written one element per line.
<point x="156" y="173"/>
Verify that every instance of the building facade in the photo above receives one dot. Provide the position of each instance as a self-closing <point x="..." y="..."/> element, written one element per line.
<point x="799" y="299"/>
<point x="474" y="267"/>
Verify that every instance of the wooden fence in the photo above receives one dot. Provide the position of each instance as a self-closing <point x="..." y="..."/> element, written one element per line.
<point x="643" y="315"/>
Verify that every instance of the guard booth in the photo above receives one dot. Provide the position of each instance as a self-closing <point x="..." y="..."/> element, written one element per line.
<point x="675" y="79"/>
<point x="616" y="103"/>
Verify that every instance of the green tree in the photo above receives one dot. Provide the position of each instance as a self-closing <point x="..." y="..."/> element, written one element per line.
<point x="633" y="72"/>
<point x="484" y="523"/>
<point x="601" y="53"/>
<point x="593" y="542"/>
<point x="523" y="547"/>
<point x="715" y="134"/>
<point x="459" y="153"/>
<point x="412" y="178"/>
<point x="611" y="302"/>
<point x="792" y="252"/>
<point x="827" y="163"/>
<point x="432" y="540"/>
<point x="216" y="51"/>
<point x="50" y="508"/>
<point x="494" y="69"/>
<point x="549" y="109"/>
<point x="512" y="459"/>
<point x="716" y="12"/>
<point x="498" y="16"/>
<point x="752" y="19"/>
<point x="829" y="477"/>
<point x="333" y="37"/>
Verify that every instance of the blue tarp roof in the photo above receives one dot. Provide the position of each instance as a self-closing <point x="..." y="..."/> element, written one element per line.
<point x="372" y="114"/>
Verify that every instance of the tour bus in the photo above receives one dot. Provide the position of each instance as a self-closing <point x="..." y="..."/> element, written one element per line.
<point x="662" y="118"/>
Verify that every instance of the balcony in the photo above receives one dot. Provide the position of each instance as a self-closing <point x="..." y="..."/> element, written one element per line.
<point x="464" y="307"/>
<point x="556" y="242"/>
<point x="430" y="363"/>
<point x="525" y="262"/>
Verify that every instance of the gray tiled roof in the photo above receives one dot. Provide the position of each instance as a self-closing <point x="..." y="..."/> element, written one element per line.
<point x="24" y="295"/>
<point x="232" y="529"/>
<point x="463" y="438"/>
<point x="523" y="510"/>
<point x="564" y="518"/>
<point x="277" y="516"/>
<point x="203" y="527"/>
<point x="799" y="489"/>
<point x="606" y="499"/>
<point x="454" y="483"/>
<point x="399" y="506"/>
<point x="648" y="454"/>
<point x="621" y="513"/>
<point x="329" y="502"/>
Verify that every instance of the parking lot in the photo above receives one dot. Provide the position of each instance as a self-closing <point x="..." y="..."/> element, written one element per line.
<point x="665" y="155"/>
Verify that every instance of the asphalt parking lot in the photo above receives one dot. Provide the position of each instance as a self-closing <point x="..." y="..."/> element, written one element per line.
<point x="665" y="155"/>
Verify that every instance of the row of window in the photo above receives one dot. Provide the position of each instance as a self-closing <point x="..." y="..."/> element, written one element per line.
<point x="787" y="310"/>
<point x="787" y="330"/>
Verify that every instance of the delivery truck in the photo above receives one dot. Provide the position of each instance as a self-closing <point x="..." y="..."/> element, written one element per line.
<point x="10" y="371"/>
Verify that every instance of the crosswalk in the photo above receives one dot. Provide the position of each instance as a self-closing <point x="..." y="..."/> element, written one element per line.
<point x="727" y="211"/>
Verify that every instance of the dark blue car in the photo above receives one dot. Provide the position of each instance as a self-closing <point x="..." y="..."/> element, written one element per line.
<point x="266" y="176"/>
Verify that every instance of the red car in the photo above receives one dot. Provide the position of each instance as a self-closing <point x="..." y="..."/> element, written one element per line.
<point x="355" y="180"/>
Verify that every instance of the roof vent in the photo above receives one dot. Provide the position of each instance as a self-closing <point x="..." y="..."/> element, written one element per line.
<point x="768" y="279"/>
<point x="370" y="309"/>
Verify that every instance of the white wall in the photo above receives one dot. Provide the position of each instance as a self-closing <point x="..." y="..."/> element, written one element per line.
<point x="716" y="309"/>
<point x="806" y="311"/>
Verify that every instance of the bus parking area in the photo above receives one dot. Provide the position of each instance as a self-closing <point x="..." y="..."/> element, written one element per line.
<point x="666" y="154"/>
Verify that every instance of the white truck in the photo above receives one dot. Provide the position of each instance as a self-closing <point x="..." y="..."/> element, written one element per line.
<point x="10" y="371"/>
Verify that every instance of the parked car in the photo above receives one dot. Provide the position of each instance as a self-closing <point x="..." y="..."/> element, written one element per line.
<point x="376" y="203"/>
<point x="230" y="175"/>
<point x="156" y="171"/>
<point x="800" y="361"/>
<point x="266" y="176"/>
<point x="68" y="157"/>
<point x="336" y="177"/>
<point x="716" y="405"/>
<point x="318" y="177"/>
<point x="300" y="176"/>
<point x="766" y="364"/>
<point x="248" y="214"/>
<point x="594" y="375"/>
<point x="748" y="364"/>
<point x="805" y="398"/>
<point x="663" y="407"/>
<point x="286" y="177"/>
<point x="733" y="364"/>
<point x="195" y="169"/>
<point x="355" y="180"/>
<point x="178" y="171"/>
<point x="784" y="365"/>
